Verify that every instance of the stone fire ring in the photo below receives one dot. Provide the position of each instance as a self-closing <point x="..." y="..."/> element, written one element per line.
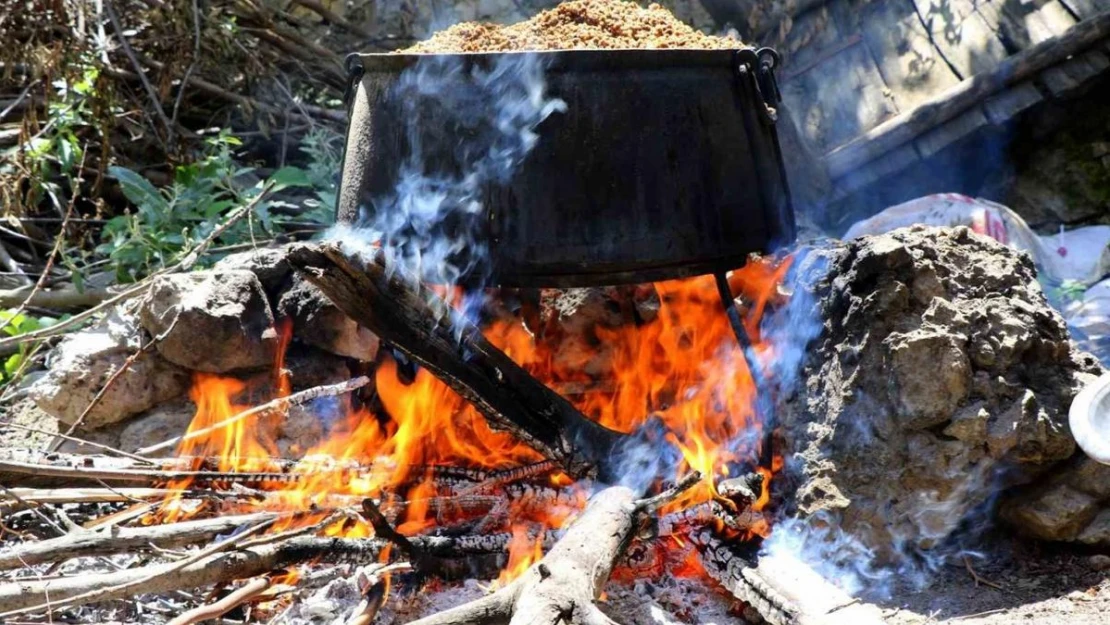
<point x="1090" y="419"/>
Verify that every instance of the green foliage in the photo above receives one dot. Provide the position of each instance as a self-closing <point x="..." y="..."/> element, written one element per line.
<point x="170" y="221"/>
<point x="55" y="151"/>
<point x="15" y="324"/>
<point x="324" y="149"/>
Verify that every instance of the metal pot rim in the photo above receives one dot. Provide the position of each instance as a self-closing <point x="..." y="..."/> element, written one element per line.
<point x="617" y="59"/>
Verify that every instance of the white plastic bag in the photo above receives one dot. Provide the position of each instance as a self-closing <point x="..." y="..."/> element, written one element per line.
<point x="1089" y="320"/>
<point x="1079" y="255"/>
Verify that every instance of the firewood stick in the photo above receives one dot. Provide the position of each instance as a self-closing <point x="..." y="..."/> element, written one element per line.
<point x="563" y="585"/>
<point x="140" y="476"/>
<point x="121" y="539"/>
<point x="373" y="591"/>
<point x="217" y="609"/>
<point x="31" y="595"/>
<point x="39" y="496"/>
<point x="784" y="590"/>
<point x="128" y="587"/>
<point x="412" y="318"/>
<point x="275" y="405"/>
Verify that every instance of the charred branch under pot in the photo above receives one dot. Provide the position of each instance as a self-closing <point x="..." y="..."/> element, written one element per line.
<point x="419" y="323"/>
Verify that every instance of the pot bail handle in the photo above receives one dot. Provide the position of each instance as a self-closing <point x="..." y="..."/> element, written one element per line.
<point x="762" y="63"/>
<point x="355" y="70"/>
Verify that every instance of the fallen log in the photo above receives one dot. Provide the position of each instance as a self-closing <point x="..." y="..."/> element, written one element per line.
<point x="563" y="585"/>
<point x="416" y="321"/>
<point x="120" y="539"/>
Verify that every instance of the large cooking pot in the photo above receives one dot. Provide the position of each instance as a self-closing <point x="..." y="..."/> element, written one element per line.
<point x="664" y="164"/>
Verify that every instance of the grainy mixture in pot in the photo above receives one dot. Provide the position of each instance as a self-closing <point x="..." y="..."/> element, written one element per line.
<point x="576" y="25"/>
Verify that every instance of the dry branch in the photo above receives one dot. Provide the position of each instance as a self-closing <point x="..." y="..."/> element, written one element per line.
<point x="419" y="323"/>
<point x="105" y="592"/>
<point x="217" y="609"/>
<point x="104" y="468"/>
<point x="279" y="404"/>
<point x="224" y="567"/>
<point x="118" y="540"/>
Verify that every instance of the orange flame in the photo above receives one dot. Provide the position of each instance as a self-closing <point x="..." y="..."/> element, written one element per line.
<point x="682" y="369"/>
<point x="525" y="549"/>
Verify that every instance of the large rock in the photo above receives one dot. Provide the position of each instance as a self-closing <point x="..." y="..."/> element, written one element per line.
<point x="318" y="322"/>
<point x="269" y="264"/>
<point x="215" y="321"/>
<point x="83" y="363"/>
<point x="938" y="363"/>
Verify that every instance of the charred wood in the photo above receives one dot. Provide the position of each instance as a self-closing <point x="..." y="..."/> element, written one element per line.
<point x="419" y="323"/>
<point x="242" y="563"/>
<point x="120" y="539"/>
<point x="783" y="589"/>
<point x="563" y="585"/>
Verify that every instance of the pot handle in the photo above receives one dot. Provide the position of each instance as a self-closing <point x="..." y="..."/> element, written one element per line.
<point x="762" y="64"/>
<point x="355" y="71"/>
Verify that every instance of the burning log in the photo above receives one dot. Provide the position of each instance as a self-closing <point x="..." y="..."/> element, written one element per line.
<point x="783" y="589"/>
<point x="562" y="586"/>
<point x="419" y="323"/>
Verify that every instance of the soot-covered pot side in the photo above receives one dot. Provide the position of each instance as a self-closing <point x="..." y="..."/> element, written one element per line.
<point x="663" y="163"/>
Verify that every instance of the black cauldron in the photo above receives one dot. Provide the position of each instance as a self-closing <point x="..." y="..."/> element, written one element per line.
<point x="664" y="164"/>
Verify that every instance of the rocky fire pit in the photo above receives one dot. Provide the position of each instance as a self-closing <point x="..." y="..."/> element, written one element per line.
<point x="929" y="400"/>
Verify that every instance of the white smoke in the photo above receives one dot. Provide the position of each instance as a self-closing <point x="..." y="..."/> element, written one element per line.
<point x="468" y="128"/>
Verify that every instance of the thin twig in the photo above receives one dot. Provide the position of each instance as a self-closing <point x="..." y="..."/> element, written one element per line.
<point x="115" y="376"/>
<point x="975" y="576"/>
<point x="53" y="252"/>
<point x="186" y="263"/>
<point x="79" y="441"/>
<point x="116" y="26"/>
<point x="192" y="63"/>
<point x="281" y="403"/>
<point x="652" y="504"/>
<point x="19" y="99"/>
<point x="95" y="595"/>
<point x="217" y="609"/>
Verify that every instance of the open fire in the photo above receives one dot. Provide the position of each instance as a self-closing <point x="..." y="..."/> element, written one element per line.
<point x="432" y="463"/>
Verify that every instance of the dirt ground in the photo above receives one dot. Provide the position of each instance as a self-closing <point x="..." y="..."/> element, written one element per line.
<point x="1040" y="583"/>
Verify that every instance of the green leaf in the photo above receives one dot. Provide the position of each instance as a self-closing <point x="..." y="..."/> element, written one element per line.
<point x="290" y="177"/>
<point x="138" y="189"/>
<point x="11" y="365"/>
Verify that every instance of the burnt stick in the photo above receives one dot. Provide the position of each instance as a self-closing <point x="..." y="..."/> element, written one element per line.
<point x="239" y="564"/>
<point x="416" y="321"/>
<point x="783" y="589"/>
<point x="563" y="585"/>
<point x="121" y="539"/>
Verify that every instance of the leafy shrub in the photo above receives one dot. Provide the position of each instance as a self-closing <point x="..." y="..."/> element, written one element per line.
<point x="170" y="221"/>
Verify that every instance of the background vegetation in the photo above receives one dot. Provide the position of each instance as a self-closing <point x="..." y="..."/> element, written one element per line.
<point x="131" y="130"/>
